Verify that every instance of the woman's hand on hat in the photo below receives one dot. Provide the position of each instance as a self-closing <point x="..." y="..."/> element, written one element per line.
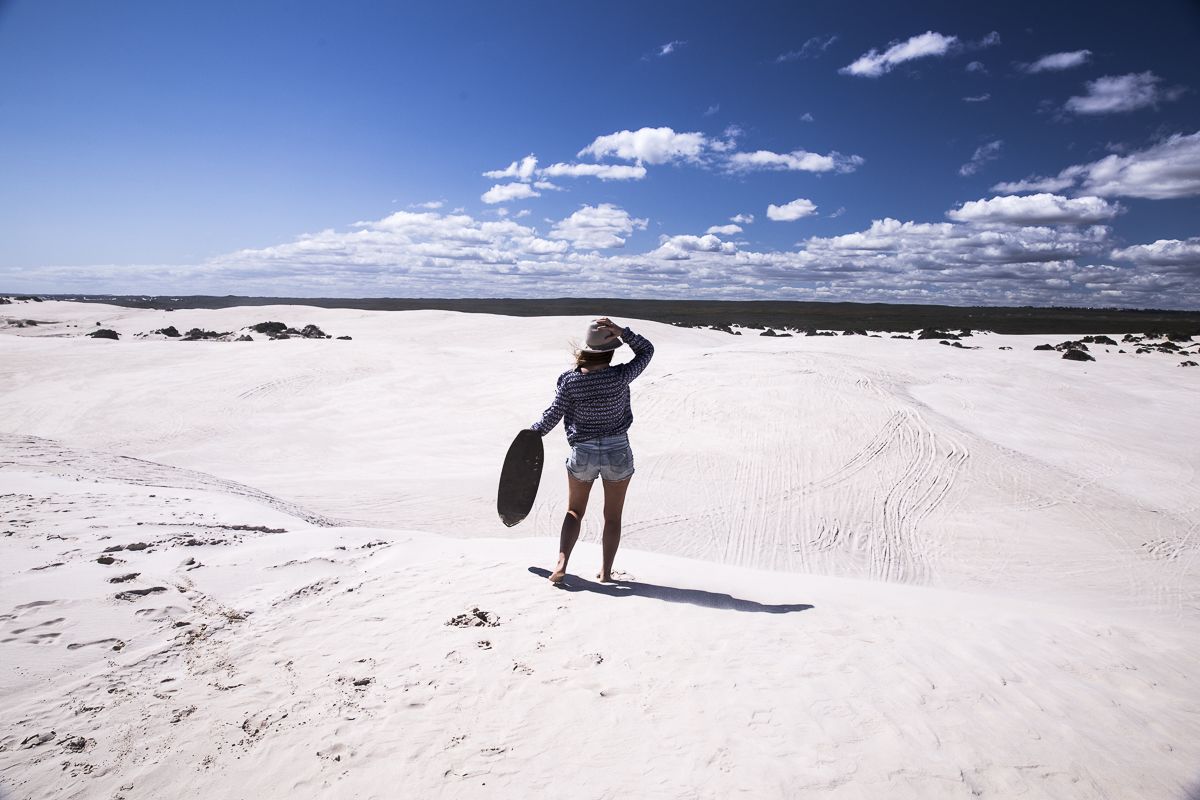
<point x="610" y="326"/>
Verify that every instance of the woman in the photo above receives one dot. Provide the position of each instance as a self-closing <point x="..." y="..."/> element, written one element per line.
<point x="594" y="398"/>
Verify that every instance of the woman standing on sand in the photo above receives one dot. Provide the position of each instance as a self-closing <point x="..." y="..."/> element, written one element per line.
<point x="594" y="398"/>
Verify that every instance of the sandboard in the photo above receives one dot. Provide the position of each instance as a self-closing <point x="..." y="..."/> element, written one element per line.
<point x="519" y="478"/>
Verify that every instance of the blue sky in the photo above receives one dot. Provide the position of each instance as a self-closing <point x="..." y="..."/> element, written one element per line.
<point x="1041" y="153"/>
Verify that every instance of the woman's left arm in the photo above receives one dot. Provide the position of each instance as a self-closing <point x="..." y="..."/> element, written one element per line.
<point x="554" y="413"/>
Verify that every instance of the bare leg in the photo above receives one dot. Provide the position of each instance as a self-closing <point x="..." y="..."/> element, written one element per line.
<point x="577" y="497"/>
<point x="614" y="504"/>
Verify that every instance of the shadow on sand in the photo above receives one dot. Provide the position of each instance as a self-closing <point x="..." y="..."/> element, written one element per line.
<point x="670" y="594"/>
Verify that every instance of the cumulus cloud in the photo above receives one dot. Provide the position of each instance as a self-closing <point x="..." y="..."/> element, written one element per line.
<point x="1036" y="209"/>
<point x="983" y="154"/>
<point x="873" y="63"/>
<point x="812" y="47"/>
<point x="977" y="98"/>
<point x="789" y="212"/>
<point x="1055" y="62"/>
<point x="1175" y="254"/>
<point x="1168" y="169"/>
<point x="795" y="161"/>
<point x="725" y="230"/>
<point x="437" y="255"/>
<point x="605" y="172"/>
<point x="742" y="219"/>
<point x="507" y="192"/>
<point x="648" y="146"/>
<point x="599" y="227"/>
<point x="1115" y="94"/>
<point x="681" y="248"/>
<point x="520" y="170"/>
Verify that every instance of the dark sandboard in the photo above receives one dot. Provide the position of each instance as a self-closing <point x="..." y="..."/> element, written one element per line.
<point x="520" y="477"/>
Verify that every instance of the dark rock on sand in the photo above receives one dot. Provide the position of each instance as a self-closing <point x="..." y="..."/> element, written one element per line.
<point x="1188" y="364"/>
<point x="268" y="327"/>
<point x="196" y="334"/>
<point x="313" y="332"/>
<point x="1006" y="348"/>
<point x="1071" y="345"/>
<point x="901" y="336"/>
<point x="345" y="338"/>
<point x="104" y="333"/>
<point x="170" y="330"/>
<point x="854" y="332"/>
<point x="106" y="560"/>
<point x="934" y="333"/>
<point x="244" y="338"/>
<point x="1098" y="340"/>
<point x="767" y="332"/>
<point x="1077" y="355"/>
<point x="1044" y="347"/>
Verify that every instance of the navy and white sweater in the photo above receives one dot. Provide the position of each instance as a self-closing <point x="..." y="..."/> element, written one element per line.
<point x="597" y="403"/>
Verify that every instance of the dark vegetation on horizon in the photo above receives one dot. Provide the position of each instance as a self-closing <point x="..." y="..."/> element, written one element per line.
<point x="749" y="313"/>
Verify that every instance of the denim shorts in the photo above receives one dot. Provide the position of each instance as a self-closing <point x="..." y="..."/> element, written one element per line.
<point x="607" y="457"/>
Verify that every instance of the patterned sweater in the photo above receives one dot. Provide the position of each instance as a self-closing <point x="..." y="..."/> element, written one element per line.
<point x="597" y="403"/>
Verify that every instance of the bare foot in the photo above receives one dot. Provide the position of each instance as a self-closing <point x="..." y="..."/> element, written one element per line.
<point x="616" y="576"/>
<point x="558" y="575"/>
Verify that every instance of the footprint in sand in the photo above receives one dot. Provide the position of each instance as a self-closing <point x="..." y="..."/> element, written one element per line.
<point x="113" y="643"/>
<point x="134" y="594"/>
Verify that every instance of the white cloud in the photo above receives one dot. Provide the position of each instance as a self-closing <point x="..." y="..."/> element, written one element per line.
<point x="670" y="47"/>
<point x="841" y="210"/>
<point x="976" y="66"/>
<point x="991" y="40"/>
<point x="435" y="255"/>
<point x="1114" y="94"/>
<point x="521" y="170"/>
<point x="548" y="186"/>
<point x="507" y="192"/>
<point x="983" y="154"/>
<point x="430" y="205"/>
<point x="1036" y="209"/>
<point x="1056" y="62"/>
<point x="681" y="248"/>
<point x="1169" y="169"/>
<point x="795" y="161"/>
<point x="648" y="145"/>
<point x="977" y="98"/>
<point x="713" y="109"/>
<point x="725" y="230"/>
<point x="807" y="117"/>
<point x="605" y="172"/>
<point x="873" y="63"/>
<point x="599" y="227"/>
<point x="742" y="219"/>
<point x="789" y="212"/>
<point x="812" y="47"/>
<point x="1174" y="254"/>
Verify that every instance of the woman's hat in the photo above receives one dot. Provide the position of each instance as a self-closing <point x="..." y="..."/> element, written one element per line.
<point x="600" y="340"/>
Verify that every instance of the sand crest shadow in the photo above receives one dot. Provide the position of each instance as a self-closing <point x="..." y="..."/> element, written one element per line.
<point x="670" y="594"/>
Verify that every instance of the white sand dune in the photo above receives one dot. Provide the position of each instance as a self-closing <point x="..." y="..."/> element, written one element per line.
<point x="860" y="567"/>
